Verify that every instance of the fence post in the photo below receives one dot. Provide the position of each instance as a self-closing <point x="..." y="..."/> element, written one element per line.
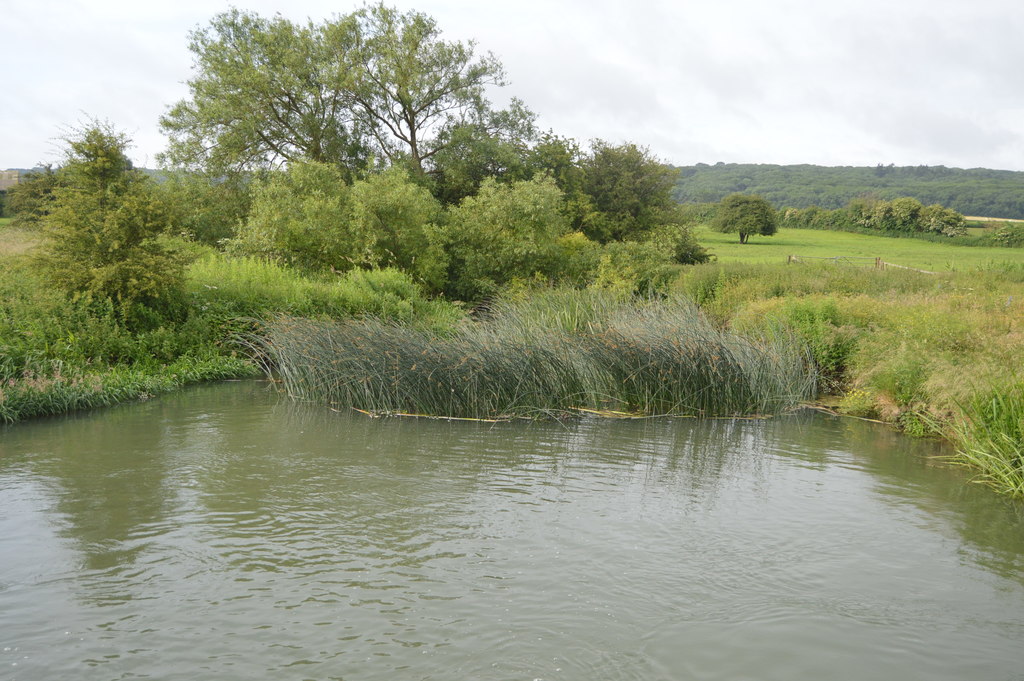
<point x="789" y="260"/>
<point x="879" y="265"/>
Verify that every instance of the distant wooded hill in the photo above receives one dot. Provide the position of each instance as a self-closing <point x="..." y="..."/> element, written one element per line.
<point x="976" y="191"/>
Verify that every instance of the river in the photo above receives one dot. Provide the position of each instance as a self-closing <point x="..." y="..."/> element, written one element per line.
<point x="224" y="532"/>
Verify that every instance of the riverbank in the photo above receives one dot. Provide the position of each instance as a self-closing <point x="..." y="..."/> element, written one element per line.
<point x="60" y="354"/>
<point x="929" y="354"/>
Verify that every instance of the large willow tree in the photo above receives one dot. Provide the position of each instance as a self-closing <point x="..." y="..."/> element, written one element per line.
<point x="373" y="83"/>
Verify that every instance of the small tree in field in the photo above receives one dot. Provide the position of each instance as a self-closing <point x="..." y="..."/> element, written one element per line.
<point x="745" y="214"/>
<point x="104" y="226"/>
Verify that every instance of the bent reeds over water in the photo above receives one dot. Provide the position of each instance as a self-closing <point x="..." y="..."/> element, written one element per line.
<point x="543" y="357"/>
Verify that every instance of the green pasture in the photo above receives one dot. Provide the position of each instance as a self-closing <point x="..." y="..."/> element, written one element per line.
<point x="909" y="252"/>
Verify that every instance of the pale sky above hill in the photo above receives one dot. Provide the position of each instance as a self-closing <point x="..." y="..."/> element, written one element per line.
<point x="829" y="82"/>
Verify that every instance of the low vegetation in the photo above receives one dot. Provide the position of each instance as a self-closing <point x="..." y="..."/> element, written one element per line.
<point x="556" y="353"/>
<point x="931" y="354"/>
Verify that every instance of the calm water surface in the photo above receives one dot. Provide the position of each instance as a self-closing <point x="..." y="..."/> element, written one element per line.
<point x="222" y="533"/>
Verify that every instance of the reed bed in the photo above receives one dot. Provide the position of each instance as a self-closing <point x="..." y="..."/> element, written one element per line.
<point x="990" y="438"/>
<point x="553" y="356"/>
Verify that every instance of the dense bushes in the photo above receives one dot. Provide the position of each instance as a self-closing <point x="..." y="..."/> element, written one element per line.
<point x="503" y="233"/>
<point x="898" y="216"/>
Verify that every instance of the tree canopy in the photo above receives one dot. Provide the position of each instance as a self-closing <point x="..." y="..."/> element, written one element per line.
<point x="265" y="92"/>
<point x="376" y="83"/>
<point x="745" y="214"/>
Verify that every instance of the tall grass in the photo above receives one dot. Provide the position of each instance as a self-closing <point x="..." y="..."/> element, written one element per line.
<point x="553" y="354"/>
<point x="58" y="392"/>
<point x="990" y="438"/>
<point x="252" y="287"/>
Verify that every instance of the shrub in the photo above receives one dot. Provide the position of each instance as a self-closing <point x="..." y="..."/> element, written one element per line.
<point x="403" y="216"/>
<point x="303" y="217"/>
<point x="859" y="402"/>
<point x="105" y="226"/>
<point x="643" y="267"/>
<point x="503" y="233"/>
<point x="1011" y="234"/>
<point x="208" y="209"/>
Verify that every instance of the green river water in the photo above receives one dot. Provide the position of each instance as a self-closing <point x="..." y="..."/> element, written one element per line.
<point x="224" y="533"/>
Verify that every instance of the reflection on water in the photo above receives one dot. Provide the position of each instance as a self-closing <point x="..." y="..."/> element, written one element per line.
<point x="220" y="533"/>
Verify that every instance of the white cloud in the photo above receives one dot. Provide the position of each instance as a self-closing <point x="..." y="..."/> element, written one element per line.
<point x="845" y="82"/>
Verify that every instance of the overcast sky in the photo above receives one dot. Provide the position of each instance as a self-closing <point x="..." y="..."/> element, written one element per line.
<point x="829" y="82"/>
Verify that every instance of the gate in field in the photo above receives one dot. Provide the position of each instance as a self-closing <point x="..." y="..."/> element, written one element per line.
<point x="856" y="260"/>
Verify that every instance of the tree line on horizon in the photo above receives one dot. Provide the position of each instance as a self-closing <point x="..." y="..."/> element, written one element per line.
<point x="975" y="191"/>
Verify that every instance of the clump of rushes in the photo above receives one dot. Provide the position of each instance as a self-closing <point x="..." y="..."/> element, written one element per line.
<point x="990" y="438"/>
<point x="540" y="358"/>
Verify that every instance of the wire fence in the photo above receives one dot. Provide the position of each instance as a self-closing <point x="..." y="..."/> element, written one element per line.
<point x="856" y="260"/>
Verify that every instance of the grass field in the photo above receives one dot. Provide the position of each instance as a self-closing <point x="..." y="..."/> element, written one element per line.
<point x="908" y="252"/>
<point x="977" y="218"/>
<point x="15" y="241"/>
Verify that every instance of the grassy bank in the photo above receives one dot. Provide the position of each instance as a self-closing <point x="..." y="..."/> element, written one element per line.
<point x="58" y="354"/>
<point x="928" y="353"/>
<point x="554" y="353"/>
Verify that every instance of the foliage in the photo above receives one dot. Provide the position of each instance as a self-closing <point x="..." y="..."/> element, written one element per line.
<point x="745" y="215"/>
<point x="860" y="403"/>
<point x="229" y="288"/>
<point x="831" y="334"/>
<point x="403" y="218"/>
<point x="900" y="216"/>
<point x="409" y="87"/>
<point x="58" y="353"/>
<point x="629" y="192"/>
<point x="29" y="201"/>
<point x="106" y="224"/>
<point x="640" y="357"/>
<point x="302" y="217"/>
<point x="207" y="209"/>
<point x="267" y="92"/>
<point x="977" y="191"/>
<point x="627" y="267"/>
<point x="1011" y="234"/>
<point x="470" y="153"/>
<point x="503" y="233"/>
<point x="678" y="242"/>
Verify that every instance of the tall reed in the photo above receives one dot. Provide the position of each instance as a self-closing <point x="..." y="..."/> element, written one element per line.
<point x="990" y="438"/>
<point x="567" y="351"/>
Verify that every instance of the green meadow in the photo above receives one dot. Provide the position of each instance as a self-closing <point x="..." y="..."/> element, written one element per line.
<point x="908" y="252"/>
